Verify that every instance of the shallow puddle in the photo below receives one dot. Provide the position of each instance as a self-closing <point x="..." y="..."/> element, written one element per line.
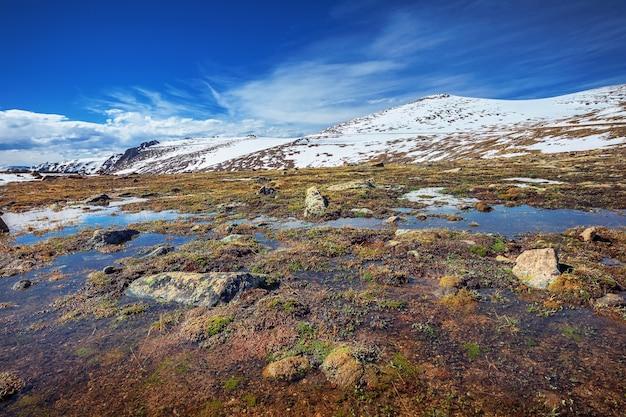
<point x="513" y="221"/>
<point x="70" y="220"/>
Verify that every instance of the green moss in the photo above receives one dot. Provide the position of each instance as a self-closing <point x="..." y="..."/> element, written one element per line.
<point x="478" y="250"/>
<point x="232" y="383"/>
<point x="216" y="324"/>
<point x="472" y="350"/>
<point x="84" y="352"/>
<point x="572" y="333"/>
<point x="403" y="365"/>
<point x="250" y="400"/>
<point x="498" y="246"/>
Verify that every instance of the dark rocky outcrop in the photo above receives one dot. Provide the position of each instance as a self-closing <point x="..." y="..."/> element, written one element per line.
<point x="112" y="237"/>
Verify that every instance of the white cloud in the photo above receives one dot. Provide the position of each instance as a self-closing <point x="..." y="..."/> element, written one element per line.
<point x="34" y="137"/>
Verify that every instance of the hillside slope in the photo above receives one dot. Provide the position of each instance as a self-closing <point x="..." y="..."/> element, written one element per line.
<point x="428" y="129"/>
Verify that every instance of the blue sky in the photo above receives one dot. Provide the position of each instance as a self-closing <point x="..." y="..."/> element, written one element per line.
<point x="84" y="78"/>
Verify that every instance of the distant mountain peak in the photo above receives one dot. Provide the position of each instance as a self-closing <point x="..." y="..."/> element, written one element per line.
<point x="431" y="128"/>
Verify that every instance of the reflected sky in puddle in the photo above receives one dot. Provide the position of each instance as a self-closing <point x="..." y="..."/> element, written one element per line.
<point x="73" y="219"/>
<point x="512" y="221"/>
<point x="74" y="268"/>
<point x="506" y="221"/>
<point x="100" y="220"/>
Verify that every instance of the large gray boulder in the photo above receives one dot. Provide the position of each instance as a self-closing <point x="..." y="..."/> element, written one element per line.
<point x="537" y="268"/>
<point x="192" y="288"/>
<point x="315" y="203"/>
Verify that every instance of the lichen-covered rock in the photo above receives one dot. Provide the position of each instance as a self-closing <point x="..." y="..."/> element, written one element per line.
<point x="10" y="384"/>
<point x="537" y="268"/>
<point x="193" y="288"/>
<point x="353" y="185"/>
<point x="289" y="369"/>
<point x="342" y="369"/>
<point x="315" y="204"/>
<point x="112" y="237"/>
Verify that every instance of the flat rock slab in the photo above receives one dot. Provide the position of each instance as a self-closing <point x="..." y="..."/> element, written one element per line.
<point x="197" y="289"/>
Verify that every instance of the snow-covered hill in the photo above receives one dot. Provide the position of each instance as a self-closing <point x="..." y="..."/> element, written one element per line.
<point x="432" y="128"/>
<point x="75" y="166"/>
<point x="452" y="127"/>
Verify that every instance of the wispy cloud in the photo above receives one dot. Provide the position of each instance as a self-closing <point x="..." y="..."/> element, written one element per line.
<point x="388" y="56"/>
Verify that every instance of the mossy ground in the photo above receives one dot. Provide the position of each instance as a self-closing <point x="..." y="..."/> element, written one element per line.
<point x="441" y="327"/>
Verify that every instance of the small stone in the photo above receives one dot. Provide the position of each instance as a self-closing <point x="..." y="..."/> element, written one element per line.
<point x="362" y="211"/>
<point x="10" y="384"/>
<point x="392" y="220"/>
<point x="342" y="369"/>
<point x="537" y="268"/>
<point x="414" y="254"/>
<point x="232" y="238"/>
<point x="22" y="284"/>
<point x="98" y="200"/>
<point x="474" y="224"/>
<point x="592" y="234"/>
<point x="504" y="259"/>
<point x="266" y="190"/>
<point x="160" y="251"/>
<point x="611" y="300"/>
<point x="482" y="206"/>
<point x="288" y="369"/>
<point x="108" y="270"/>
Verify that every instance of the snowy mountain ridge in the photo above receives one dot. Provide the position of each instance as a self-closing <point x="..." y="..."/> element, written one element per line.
<point x="432" y="128"/>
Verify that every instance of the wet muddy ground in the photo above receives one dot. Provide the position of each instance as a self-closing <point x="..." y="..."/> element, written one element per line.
<point x="434" y="321"/>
